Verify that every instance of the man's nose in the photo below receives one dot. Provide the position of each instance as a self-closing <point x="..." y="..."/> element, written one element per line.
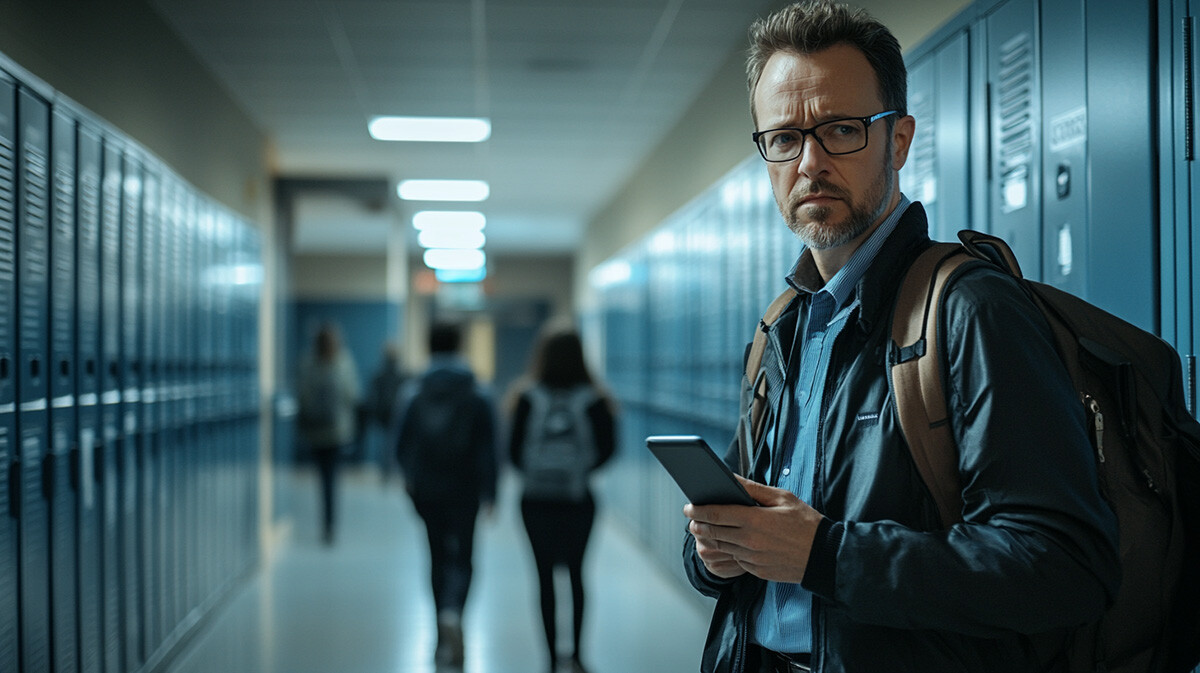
<point x="813" y="158"/>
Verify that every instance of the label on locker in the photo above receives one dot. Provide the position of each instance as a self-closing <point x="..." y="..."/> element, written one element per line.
<point x="1067" y="129"/>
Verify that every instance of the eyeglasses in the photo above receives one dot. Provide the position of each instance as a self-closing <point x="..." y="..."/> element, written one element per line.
<point x="837" y="136"/>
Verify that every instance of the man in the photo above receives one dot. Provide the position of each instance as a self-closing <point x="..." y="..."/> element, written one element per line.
<point x="845" y="565"/>
<point x="447" y="452"/>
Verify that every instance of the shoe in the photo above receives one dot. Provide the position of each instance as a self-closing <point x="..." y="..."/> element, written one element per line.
<point x="449" y="650"/>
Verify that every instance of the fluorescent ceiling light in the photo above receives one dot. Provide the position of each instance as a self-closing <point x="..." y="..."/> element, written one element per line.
<point x="455" y="260"/>
<point x="462" y="219"/>
<point x="461" y="276"/>
<point x="443" y="190"/>
<point x="451" y="237"/>
<point x="431" y="129"/>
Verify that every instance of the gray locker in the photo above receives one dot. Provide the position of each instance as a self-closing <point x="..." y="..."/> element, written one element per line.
<point x="1014" y="102"/>
<point x="61" y="373"/>
<point x="87" y="391"/>
<point x="154" y="629"/>
<point x="9" y="508"/>
<point x="33" y="206"/>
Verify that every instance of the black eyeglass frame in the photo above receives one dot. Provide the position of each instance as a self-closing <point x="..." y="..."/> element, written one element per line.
<point x="812" y="131"/>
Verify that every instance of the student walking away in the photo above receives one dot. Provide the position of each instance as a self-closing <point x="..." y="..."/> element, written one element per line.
<point x="447" y="452"/>
<point x="379" y="408"/>
<point x="845" y="564"/>
<point x="328" y="397"/>
<point x="562" y="430"/>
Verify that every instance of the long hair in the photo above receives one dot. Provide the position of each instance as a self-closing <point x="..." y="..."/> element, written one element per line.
<point x="810" y="27"/>
<point x="328" y="342"/>
<point x="558" y="360"/>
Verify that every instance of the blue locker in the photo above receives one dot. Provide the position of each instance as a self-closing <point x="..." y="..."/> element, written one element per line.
<point x="129" y="383"/>
<point x="9" y="492"/>
<point x="154" y="630"/>
<point x="87" y="391"/>
<point x="109" y="450"/>
<point x="61" y="360"/>
<point x="33" y="206"/>
<point x="1015" y="131"/>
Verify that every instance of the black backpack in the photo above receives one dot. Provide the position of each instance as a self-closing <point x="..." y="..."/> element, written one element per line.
<point x="1147" y="450"/>
<point x="319" y="400"/>
<point x="442" y="421"/>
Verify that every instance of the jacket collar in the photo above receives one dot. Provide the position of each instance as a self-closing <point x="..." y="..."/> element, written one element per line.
<point x="906" y="241"/>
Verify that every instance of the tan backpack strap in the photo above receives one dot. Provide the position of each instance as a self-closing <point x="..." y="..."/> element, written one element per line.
<point x="754" y="377"/>
<point x="916" y="376"/>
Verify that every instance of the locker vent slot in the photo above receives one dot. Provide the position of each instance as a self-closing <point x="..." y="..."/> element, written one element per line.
<point x="35" y="241"/>
<point x="1189" y="93"/>
<point x="1015" y="108"/>
<point x="7" y="233"/>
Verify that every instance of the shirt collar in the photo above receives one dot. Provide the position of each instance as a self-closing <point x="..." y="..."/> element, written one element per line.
<point x="804" y="276"/>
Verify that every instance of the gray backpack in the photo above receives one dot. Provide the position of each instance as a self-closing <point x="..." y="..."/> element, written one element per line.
<point x="559" y="451"/>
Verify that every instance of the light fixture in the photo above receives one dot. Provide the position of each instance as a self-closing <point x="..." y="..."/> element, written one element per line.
<point x="443" y="190"/>
<point x="451" y="237"/>
<point x="431" y="129"/>
<point x="454" y="259"/>
<point x="461" y="275"/>
<point x="461" y="219"/>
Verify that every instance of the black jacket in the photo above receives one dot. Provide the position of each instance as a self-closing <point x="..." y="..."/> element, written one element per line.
<point x="1037" y="552"/>
<point x="446" y="440"/>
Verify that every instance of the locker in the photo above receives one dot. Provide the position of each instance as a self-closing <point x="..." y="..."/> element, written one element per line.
<point x="1065" y="221"/>
<point x="9" y="579"/>
<point x="1014" y="93"/>
<point x="33" y="206"/>
<point x="938" y="172"/>
<point x="87" y="391"/>
<point x="151" y="514"/>
<point x="128" y="382"/>
<point x="1122" y="152"/>
<point x="109" y="450"/>
<point x="61" y="366"/>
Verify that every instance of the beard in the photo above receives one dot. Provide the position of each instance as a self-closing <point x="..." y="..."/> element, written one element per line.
<point x="816" y="228"/>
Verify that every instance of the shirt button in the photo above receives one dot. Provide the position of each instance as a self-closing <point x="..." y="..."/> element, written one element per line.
<point x="787" y="471"/>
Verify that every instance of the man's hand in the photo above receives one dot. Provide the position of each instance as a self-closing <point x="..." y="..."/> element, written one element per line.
<point x="771" y="542"/>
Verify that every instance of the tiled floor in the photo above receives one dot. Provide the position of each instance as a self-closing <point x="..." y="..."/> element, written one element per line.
<point x="363" y="605"/>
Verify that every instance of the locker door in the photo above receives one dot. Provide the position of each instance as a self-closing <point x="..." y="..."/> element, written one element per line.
<point x="129" y="383"/>
<point x="109" y="450"/>
<point x="953" y="150"/>
<point x="61" y="365"/>
<point x="9" y="608"/>
<point x="1064" y="154"/>
<point x="33" y="206"/>
<point x="87" y="377"/>
<point x="1014" y="116"/>
<point x="151" y="515"/>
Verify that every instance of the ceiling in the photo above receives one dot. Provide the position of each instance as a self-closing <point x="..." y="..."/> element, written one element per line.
<point x="578" y="91"/>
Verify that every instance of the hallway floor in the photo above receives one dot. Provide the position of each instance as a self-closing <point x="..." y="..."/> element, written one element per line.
<point x="363" y="604"/>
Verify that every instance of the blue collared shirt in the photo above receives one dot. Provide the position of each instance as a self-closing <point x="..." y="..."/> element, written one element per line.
<point x="784" y="621"/>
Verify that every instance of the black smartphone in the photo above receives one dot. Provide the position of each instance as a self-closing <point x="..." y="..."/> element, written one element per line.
<point x="700" y="473"/>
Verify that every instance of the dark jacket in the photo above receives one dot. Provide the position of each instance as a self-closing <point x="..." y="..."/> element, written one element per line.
<point x="1036" y="554"/>
<point x="446" y="442"/>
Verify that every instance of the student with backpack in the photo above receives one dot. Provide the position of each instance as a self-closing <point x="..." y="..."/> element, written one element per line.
<point x="562" y="430"/>
<point x="846" y="564"/>
<point x="446" y="449"/>
<point x="328" y="396"/>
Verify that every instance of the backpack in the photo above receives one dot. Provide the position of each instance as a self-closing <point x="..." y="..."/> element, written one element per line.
<point x="442" y="421"/>
<point x="559" y="450"/>
<point x="319" y="400"/>
<point x="1147" y="448"/>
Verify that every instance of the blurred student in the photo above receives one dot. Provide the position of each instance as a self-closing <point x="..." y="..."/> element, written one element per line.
<point x="446" y="448"/>
<point x="378" y="409"/>
<point x="562" y="430"/>
<point x="328" y="392"/>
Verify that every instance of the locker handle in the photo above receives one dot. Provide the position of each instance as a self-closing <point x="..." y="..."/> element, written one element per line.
<point x="76" y="467"/>
<point x="48" y="464"/>
<point x="14" y="489"/>
<point x="98" y="463"/>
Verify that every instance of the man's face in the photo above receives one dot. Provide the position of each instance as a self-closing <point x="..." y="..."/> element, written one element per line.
<point x="829" y="201"/>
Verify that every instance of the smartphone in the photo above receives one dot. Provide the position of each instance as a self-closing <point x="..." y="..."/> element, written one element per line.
<point x="700" y="473"/>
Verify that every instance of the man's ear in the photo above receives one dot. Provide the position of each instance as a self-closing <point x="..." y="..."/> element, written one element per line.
<point x="902" y="137"/>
